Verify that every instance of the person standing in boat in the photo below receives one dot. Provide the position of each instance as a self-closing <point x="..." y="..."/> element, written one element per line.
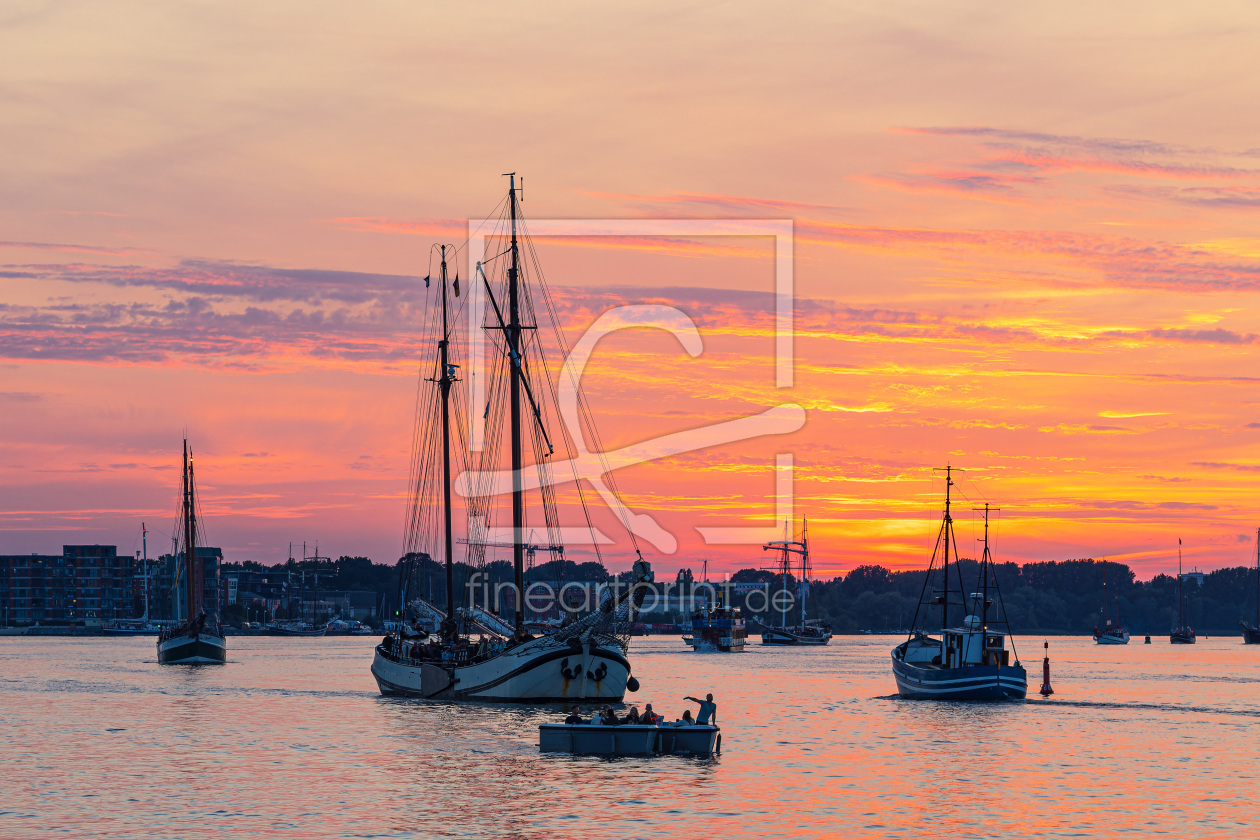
<point x="708" y="710"/>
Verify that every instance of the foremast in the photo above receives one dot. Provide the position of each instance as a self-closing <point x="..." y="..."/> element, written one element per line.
<point x="447" y="378"/>
<point x="192" y="593"/>
<point x="789" y="547"/>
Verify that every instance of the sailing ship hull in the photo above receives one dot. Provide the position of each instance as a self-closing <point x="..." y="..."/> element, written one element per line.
<point x="789" y="636"/>
<point x="1251" y="635"/>
<point x="1181" y="637"/>
<point x="986" y="683"/>
<point x="200" y="649"/>
<point x="1112" y="637"/>
<point x="538" y="671"/>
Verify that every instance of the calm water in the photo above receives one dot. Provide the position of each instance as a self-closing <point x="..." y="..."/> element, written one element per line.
<point x="291" y="739"/>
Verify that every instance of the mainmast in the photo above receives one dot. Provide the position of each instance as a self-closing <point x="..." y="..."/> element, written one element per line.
<point x="984" y="571"/>
<point x="144" y="543"/>
<point x="1181" y="621"/>
<point x="514" y="351"/>
<point x="1258" y="578"/>
<point x="947" y="531"/>
<point x="449" y="627"/>
<point x="190" y="539"/>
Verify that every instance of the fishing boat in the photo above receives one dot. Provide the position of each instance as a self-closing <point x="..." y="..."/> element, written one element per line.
<point x="1251" y="632"/>
<point x="807" y="632"/>
<point x="197" y="639"/>
<point x="1108" y="633"/>
<point x="966" y="662"/>
<point x="1183" y="633"/>
<point x="586" y="658"/>
<point x="717" y="628"/>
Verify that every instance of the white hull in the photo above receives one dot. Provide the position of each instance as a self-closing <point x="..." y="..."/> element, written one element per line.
<point x="1111" y="639"/>
<point x="791" y="636"/>
<point x="540" y="670"/>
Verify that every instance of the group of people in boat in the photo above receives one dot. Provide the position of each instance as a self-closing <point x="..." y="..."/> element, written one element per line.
<point x="461" y="651"/>
<point x="605" y="716"/>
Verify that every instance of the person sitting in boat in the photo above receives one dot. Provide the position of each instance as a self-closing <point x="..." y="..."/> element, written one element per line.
<point x="575" y="716"/>
<point x="600" y="717"/>
<point x="685" y="720"/>
<point x="708" y="710"/>
<point x="632" y="716"/>
<point x="649" y="717"/>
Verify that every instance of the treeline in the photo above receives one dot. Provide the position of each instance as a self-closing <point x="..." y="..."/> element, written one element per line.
<point x="1050" y="597"/>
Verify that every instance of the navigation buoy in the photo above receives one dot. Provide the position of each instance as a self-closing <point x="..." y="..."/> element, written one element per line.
<point x="1046" y="690"/>
<point x="1148" y="640"/>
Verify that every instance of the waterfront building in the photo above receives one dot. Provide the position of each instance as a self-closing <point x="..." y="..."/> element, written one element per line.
<point x="86" y="585"/>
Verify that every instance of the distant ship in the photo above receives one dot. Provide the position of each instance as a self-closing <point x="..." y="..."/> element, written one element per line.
<point x="586" y="658"/>
<point x="1251" y="632"/>
<point x="717" y="628"/>
<point x="1182" y="634"/>
<point x="807" y="632"/>
<point x="198" y="638"/>
<point x="141" y="626"/>
<point x="1108" y="633"/>
<point x="967" y="662"/>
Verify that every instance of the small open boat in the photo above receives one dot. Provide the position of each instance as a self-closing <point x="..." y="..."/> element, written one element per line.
<point x="627" y="739"/>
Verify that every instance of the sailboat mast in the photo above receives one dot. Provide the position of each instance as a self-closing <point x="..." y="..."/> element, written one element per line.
<point x="804" y="584"/>
<point x="190" y="538"/>
<point x="144" y="544"/>
<point x="514" y="350"/>
<point x="1258" y="578"/>
<point x="445" y="384"/>
<point x="783" y="603"/>
<point x="984" y="571"/>
<point x="946" y="532"/>
<point x="1181" y="621"/>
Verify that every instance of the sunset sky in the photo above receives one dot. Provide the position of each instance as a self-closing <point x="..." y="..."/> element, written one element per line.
<point x="1025" y="243"/>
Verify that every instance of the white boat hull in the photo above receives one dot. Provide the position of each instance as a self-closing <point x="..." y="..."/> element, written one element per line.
<point x="198" y="649"/>
<point x="1112" y="638"/>
<point x="540" y="670"/>
<point x="789" y="636"/>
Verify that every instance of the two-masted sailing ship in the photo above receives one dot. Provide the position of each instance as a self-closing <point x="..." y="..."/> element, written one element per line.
<point x="476" y="654"/>
<point x="1251" y="632"/>
<point x="1183" y="633"/>
<point x="806" y="632"/>
<point x="1108" y="632"/>
<point x="198" y="638"/>
<point x="968" y="661"/>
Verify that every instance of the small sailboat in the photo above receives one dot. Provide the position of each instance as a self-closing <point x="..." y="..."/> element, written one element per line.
<point x="1182" y="634"/>
<point x="807" y="632"/>
<point x="586" y="657"/>
<point x="967" y="662"/>
<point x="198" y="638"/>
<point x="1251" y="632"/>
<point x="1109" y="633"/>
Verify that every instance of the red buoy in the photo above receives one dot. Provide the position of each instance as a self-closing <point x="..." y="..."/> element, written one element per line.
<point x="1046" y="690"/>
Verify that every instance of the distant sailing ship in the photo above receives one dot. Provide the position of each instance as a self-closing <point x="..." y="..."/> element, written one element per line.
<point x="198" y="638"/>
<point x="805" y="633"/>
<point x="969" y="662"/>
<point x="1251" y="632"/>
<point x="1182" y="634"/>
<point x="586" y="657"/>
<point x="1108" y="633"/>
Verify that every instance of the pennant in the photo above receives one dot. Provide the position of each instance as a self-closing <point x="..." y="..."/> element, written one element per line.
<point x="456" y="285"/>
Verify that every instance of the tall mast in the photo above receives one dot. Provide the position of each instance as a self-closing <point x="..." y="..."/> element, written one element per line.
<point x="1258" y="578"/>
<point x="514" y="350"/>
<point x="946" y="532"/>
<point x="804" y="585"/>
<point x="783" y="603"/>
<point x="984" y="572"/>
<point x="445" y="383"/>
<point x="1181" y="621"/>
<point x="144" y="543"/>
<point x="190" y="538"/>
